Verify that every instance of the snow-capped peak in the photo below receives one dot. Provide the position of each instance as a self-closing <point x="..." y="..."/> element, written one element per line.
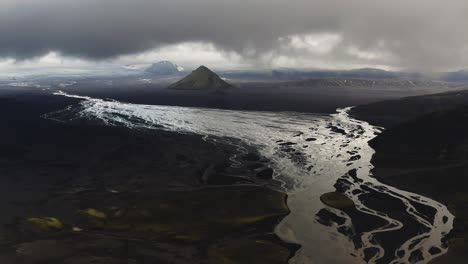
<point x="164" y="68"/>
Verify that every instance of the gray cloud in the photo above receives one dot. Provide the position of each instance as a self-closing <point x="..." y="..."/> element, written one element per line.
<point x="416" y="34"/>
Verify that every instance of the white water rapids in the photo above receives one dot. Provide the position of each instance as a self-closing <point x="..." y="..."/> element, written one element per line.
<point x="321" y="149"/>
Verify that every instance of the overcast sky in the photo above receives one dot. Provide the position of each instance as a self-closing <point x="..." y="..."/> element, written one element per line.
<point x="426" y="35"/>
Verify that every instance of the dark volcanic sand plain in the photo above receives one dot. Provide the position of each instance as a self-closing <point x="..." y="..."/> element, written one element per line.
<point x="314" y="95"/>
<point x="425" y="150"/>
<point x="87" y="193"/>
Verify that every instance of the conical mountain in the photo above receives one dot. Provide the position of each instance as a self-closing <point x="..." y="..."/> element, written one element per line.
<point x="201" y="79"/>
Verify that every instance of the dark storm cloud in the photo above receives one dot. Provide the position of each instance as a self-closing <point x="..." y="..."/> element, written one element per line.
<point x="415" y="33"/>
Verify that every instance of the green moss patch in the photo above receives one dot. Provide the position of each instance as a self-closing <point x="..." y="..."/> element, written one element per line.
<point x="199" y="215"/>
<point x="226" y="224"/>
<point x="337" y="200"/>
<point x="94" y="213"/>
<point x="46" y="223"/>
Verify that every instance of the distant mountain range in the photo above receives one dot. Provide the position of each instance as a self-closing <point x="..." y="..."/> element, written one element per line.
<point x="369" y="73"/>
<point x="365" y="82"/>
<point x="458" y="76"/>
<point x="201" y="79"/>
<point x="286" y="74"/>
<point x="167" y="68"/>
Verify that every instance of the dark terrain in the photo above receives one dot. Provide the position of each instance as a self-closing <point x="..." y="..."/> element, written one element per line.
<point x="86" y="193"/>
<point x="311" y="95"/>
<point x="389" y="113"/>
